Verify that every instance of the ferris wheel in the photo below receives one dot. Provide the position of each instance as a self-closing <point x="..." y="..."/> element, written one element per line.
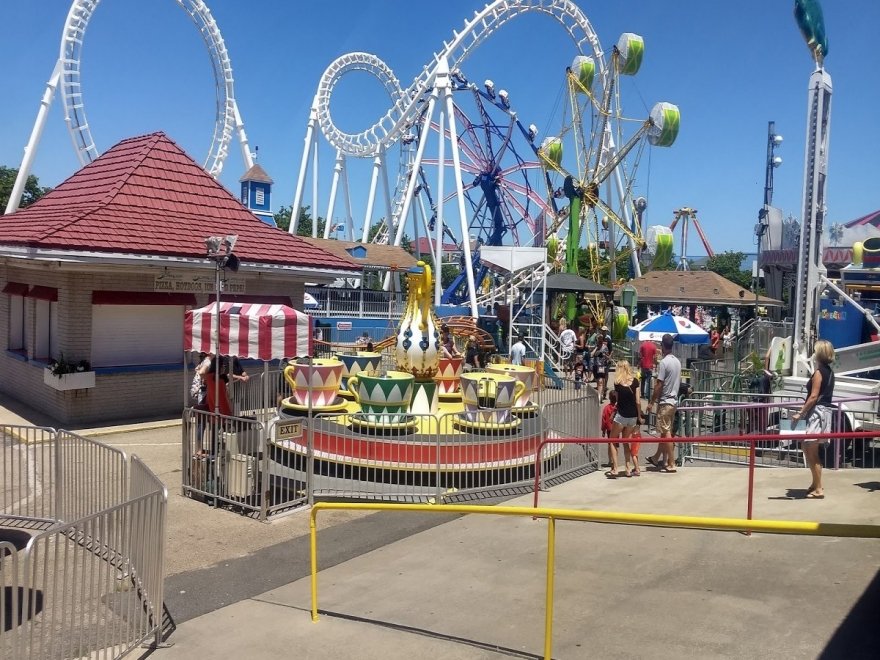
<point x="426" y="107"/>
<point x="67" y="75"/>
<point x="593" y="161"/>
<point x="503" y="178"/>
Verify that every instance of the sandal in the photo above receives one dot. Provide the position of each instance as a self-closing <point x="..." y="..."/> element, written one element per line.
<point x="628" y="473"/>
<point x="813" y="496"/>
<point x="669" y="470"/>
<point x="637" y="473"/>
<point x="611" y="475"/>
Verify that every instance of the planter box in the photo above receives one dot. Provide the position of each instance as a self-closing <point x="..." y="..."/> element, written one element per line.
<point x="79" y="380"/>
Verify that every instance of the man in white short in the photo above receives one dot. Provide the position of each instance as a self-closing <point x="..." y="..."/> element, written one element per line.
<point x="666" y="395"/>
<point x="567" y="340"/>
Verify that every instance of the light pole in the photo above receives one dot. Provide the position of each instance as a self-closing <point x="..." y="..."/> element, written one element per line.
<point x="219" y="249"/>
<point x="773" y="161"/>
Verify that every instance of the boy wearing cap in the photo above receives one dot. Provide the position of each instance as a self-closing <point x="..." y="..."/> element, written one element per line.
<point x="665" y="396"/>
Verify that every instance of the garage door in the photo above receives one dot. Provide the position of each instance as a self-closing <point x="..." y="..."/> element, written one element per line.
<point x="136" y="334"/>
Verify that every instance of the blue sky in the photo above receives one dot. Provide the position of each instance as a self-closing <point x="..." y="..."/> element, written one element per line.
<point x="730" y="67"/>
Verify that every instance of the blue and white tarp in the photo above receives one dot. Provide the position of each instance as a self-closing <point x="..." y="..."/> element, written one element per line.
<point x="684" y="330"/>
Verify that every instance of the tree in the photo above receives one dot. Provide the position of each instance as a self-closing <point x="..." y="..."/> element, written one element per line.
<point x="729" y="265"/>
<point x="282" y="219"/>
<point x="32" y="189"/>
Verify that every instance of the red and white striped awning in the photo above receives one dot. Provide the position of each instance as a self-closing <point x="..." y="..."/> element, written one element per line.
<point x="265" y="332"/>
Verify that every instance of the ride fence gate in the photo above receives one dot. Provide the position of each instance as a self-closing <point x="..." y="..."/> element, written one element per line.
<point x="82" y="531"/>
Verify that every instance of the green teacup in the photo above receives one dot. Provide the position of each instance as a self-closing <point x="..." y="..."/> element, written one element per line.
<point x="383" y="399"/>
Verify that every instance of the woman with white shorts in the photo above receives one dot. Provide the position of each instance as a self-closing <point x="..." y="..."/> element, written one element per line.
<point x="629" y="414"/>
<point x="818" y="410"/>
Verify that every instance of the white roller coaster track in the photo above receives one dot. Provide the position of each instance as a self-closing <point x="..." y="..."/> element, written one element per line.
<point x="406" y="105"/>
<point x="398" y="120"/>
<point x="67" y="75"/>
<point x="429" y="89"/>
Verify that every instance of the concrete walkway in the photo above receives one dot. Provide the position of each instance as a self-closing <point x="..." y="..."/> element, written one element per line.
<point x="474" y="587"/>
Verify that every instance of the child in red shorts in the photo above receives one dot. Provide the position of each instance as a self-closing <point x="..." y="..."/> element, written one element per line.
<point x="608" y="413"/>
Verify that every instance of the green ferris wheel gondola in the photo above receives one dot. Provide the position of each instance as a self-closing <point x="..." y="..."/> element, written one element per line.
<point x="666" y="119"/>
<point x="584" y="70"/>
<point x="631" y="51"/>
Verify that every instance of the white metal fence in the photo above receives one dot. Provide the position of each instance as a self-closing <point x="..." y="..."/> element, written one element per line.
<point x="82" y="568"/>
<point x="249" y="464"/>
<point x="358" y="303"/>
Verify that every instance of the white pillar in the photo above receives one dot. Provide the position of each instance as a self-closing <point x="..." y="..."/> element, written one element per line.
<point x="337" y="170"/>
<point x="414" y="172"/>
<point x="389" y="209"/>
<point x="465" y="228"/>
<point x="314" y="190"/>
<point x="303" y="166"/>
<point x="371" y="198"/>
<point x="349" y="219"/>
<point x="30" y="150"/>
<point x="424" y="217"/>
<point x="438" y="223"/>
<point x="242" y="138"/>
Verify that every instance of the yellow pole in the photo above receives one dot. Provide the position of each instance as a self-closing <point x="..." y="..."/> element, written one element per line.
<point x="313" y="543"/>
<point x="649" y="519"/>
<point x="548" y="606"/>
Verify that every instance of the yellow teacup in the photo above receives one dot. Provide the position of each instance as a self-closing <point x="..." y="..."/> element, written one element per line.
<point x="525" y="375"/>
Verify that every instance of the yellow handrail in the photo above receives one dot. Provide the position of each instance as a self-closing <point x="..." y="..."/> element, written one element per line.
<point x="802" y="528"/>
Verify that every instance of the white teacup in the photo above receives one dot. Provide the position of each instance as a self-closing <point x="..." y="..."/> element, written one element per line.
<point x="488" y="397"/>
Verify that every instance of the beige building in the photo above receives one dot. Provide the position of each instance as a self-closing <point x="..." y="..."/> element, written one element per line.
<point x="100" y="272"/>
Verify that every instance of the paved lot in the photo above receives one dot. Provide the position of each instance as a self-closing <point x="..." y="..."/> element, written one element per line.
<point x="474" y="586"/>
<point x="400" y="585"/>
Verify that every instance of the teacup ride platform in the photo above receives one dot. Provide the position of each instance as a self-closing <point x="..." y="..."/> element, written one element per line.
<point x="356" y="446"/>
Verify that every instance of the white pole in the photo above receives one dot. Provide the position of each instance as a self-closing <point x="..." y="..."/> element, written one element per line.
<point x="303" y="166"/>
<point x="371" y="198"/>
<point x="242" y="137"/>
<point x="315" y="190"/>
<point x="349" y="219"/>
<point x="465" y="230"/>
<point x="543" y="324"/>
<point x="438" y="222"/>
<point x="337" y="170"/>
<point x="30" y="150"/>
<point x="424" y="215"/>
<point x="217" y="393"/>
<point x="414" y="172"/>
<point x="389" y="210"/>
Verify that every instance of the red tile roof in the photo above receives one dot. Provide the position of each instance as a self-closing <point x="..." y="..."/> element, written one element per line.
<point x="146" y="196"/>
<point x="425" y="246"/>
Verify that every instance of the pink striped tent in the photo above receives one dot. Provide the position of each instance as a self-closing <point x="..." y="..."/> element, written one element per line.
<point x="265" y="332"/>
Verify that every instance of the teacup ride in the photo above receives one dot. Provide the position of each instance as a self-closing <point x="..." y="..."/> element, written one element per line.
<point x="396" y="430"/>
<point x="314" y="386"/>
<point x="354" y="363"/>
<point x="384" y="401"/>
<point x="527" y="376"/>
<point x="488" y="399"/>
